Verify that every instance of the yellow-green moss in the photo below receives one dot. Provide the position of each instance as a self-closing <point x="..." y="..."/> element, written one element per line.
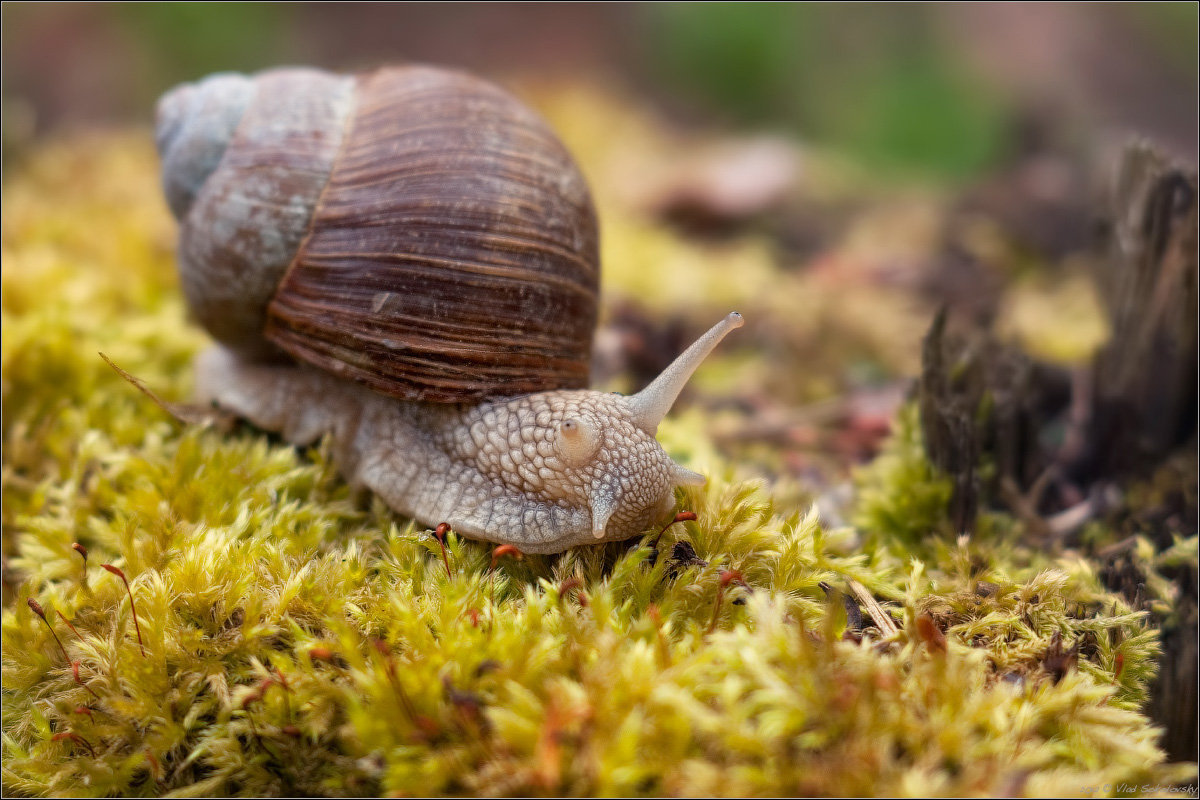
<point x="902" y="497"/>
<point x="299" y="640"/>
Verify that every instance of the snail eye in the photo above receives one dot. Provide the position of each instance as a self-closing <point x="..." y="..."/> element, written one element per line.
<point x="578" y="440"/>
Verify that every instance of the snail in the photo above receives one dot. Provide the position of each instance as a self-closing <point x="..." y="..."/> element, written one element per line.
<point x="407" y="261"/>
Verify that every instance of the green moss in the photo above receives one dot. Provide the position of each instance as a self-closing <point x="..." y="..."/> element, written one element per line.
<point x="300" y="640"/>
<point x="902" y="497"/>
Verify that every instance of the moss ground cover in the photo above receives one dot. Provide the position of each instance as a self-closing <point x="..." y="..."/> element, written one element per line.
<point x="280" y="636"/>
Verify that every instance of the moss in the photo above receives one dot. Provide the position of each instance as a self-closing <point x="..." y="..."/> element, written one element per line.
<point x="299" y="640"/>
<point x="902" y="497"/>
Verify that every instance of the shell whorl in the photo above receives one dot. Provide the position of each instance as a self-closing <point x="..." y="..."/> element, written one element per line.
<point x="244" y="163"/>
<point x="414" y="229"/>
<point x="193" y="127"/>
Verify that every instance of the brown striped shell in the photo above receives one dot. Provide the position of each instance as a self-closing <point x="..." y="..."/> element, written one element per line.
<point x="414" y="229"/>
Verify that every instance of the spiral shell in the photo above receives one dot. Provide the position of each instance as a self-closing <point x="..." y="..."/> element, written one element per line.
<point x="414" y="229"/>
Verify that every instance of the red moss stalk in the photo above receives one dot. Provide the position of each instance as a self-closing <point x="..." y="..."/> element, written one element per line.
<point x="497" y="554"/>
<point x="320" y="654"/>
<point x="287" y="691"/>
<point x="37" y="609"/>
<point x="69" y="625"/>
<point x="682" y="516"/>
<point x="257" y="693"/>
<point x="423" y="723"/>
<point x="931" y="634"/>
<point x="83" y="553"/>
<point x="505" y="550"/>
<point x="116" y="571"/>
<point x="568" y="586"/>
<point x="440" y="534"/>
<point x="75" y="672"/>
<point x="728" y="576"/>
<point x="156" y="770"/>
<point x="74" y="737"/>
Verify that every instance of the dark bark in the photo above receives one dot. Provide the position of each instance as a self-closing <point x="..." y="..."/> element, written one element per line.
<point x="987" y="410"/>
<point x="1144" y="402"/>
<point x="1145" y="405"/>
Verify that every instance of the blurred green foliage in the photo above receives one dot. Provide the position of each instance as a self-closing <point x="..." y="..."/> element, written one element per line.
<point x="182" y="41"/>
<point x="873" y="80"/>
<point x="886" y="84"/>
<point x="1172" y="27"/>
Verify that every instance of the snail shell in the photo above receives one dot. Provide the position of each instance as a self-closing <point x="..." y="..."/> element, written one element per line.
<point x="414" y="229"/>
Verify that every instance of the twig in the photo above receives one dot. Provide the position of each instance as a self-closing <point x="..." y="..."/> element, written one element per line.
<point x="883" y="621"/>
<point x="187" y="413"/>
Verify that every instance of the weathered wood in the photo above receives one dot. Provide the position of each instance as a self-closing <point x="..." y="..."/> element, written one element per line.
<point x="949" y="401"/>
<point x="984" y="405"/>
<point x="1144" y="403"/>
<point x="979" y="402"/>
<point x="1144" y="379"/>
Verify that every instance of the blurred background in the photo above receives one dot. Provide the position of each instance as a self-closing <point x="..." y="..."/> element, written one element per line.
<point x="838" y="172"/>
<point x="942" y="91"/>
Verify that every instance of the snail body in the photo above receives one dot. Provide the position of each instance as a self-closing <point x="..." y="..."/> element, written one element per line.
<point x="407" y="260"/>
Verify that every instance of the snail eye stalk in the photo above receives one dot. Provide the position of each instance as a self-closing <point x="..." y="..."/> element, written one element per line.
<point x="651" y="404"/>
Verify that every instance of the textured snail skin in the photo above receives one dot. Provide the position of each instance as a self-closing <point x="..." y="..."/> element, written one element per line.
<point x="545" y="471"/>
